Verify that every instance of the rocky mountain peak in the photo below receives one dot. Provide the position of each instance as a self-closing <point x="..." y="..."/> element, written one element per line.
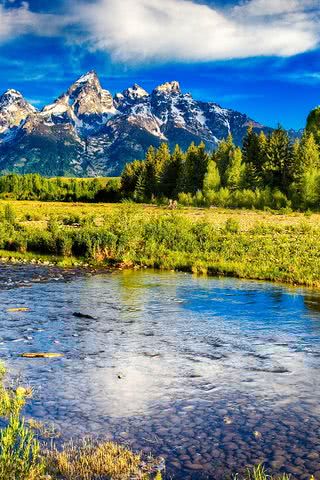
<point x="88" y="132"/>
<point x="135" y="92"/>
<point x="168" y="88"/>
<point x="13" y="109"/>
<point x="88" y="77"/>
<point x="85" y="84"/>
<point x="85" y="104"/>
<point x="10" y="96"/>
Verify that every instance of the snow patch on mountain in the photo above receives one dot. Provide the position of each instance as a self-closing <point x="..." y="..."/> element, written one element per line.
<point x="87" y="131"/>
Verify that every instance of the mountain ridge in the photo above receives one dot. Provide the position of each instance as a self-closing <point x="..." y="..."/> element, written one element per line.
<point x="87" y="131"/>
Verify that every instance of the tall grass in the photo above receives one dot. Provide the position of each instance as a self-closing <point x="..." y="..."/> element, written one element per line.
<point x="287" y="253"/>
<point x="22" y="457"/>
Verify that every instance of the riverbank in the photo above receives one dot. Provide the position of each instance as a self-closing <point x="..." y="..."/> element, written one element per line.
<point x="242" y="244"/>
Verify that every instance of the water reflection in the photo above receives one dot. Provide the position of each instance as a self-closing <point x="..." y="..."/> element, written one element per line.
<point x="168" y="357"/>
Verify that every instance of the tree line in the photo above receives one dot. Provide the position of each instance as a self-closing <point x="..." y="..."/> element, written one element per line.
<point x="35" y="187"/>
<point x="268" y="171"/>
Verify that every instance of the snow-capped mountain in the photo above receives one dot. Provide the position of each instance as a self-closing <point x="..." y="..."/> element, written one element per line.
<point x="13" y="110"/>
<point x="88" y="132"/>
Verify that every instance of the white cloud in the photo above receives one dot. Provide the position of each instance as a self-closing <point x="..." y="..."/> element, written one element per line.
<point x="138" y="30"/>
<point x="181" y="30"/>
<point x="21" y="20"/>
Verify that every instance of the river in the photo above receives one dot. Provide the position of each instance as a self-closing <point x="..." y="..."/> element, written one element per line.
<point x="212" y="374"/>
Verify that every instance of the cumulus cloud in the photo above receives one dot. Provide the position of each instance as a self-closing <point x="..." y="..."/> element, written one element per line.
<point x="136" y="30"/>
<point x="178" y="30"/>
<point x="276" y="7"/>
<point x="21" y="20"/>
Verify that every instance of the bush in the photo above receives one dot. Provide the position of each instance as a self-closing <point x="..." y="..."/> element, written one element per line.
<point x="185" y="199"/>
<point x="9" y="214"/>
<point x="232" y="225"/>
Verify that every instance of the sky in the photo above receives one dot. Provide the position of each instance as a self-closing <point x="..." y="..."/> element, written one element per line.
<point x="261" y="57"/>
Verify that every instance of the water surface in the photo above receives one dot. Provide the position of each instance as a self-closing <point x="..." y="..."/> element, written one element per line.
<point x="212" y="374"/>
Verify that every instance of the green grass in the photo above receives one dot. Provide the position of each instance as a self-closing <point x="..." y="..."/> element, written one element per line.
<point x="260" y="473"/>
<point x="23" y="457"/>
<point x="242" y="244"/>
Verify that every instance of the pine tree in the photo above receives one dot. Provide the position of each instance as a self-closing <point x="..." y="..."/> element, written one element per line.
<point x="235" y="170"/>
<point x="313" y="124"/>
<point x="309" y="188"/>
<point x="223" y="155"/>
<point x="130" y="175"/>
<point x="212" y="179"/>
<point x="278" y="166"/>
<point x="201" y="166"/>
<point x="154" y="165"/>
<point x="187" y="177"/>
<point x="306" y="168"/>
<point x="296" y="163"/>
<point x="253" y="151"/>
<point x="309" y="156"/>
<point x="150" y="172"/>
<point x="171" y="177"/>
<point x="139" y="194"/>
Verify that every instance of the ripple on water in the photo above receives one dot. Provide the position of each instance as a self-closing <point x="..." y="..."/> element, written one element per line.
<point x="214" y="375"/>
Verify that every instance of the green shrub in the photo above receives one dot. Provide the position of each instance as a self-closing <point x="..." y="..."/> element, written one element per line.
<point x="9" y="214"/>
<point x="232" y="225"/>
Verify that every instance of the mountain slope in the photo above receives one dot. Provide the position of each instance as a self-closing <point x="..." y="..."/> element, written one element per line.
<point x="87" y="132"/>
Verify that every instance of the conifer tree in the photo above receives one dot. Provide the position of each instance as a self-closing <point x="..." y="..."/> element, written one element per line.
<point x="306" y="171"/>
<point x="140" y="191"/>
<point x="130" y="175"/>
<point x="172" y="173"/>
<point x="253" y="151"/>
<point x="309" y="155"/>
<point x="309" y="188"/>
<point x="278" y="166"/>
<point x="150" y="172"/>
<point x="235" y="170"/>
<point x="223" y="155"/>
<point x="212" y="179"/>
<point x="313" y="124"/>
<point x="187" y="178"/>
<point x="201" y="166"/>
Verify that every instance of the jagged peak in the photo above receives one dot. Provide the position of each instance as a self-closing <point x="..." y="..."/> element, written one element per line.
<point x="11" y="94"/>
<point x="169" y="87"/>
<point x="135" y="92"/>
<point x="12" y="100"/>
<point x="88" y="77"/>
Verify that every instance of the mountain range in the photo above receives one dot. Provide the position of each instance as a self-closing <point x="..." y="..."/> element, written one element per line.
<point x="89" y="132"/>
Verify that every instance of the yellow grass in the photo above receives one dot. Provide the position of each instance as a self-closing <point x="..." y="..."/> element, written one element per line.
<point x="40" y="212"/>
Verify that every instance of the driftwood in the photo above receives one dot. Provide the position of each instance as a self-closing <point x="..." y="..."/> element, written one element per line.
<point x="41" y="355"/>
<point x="18" y="309"/>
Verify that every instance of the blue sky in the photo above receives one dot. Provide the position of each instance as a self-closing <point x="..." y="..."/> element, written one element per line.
<point x="261" y="57"/>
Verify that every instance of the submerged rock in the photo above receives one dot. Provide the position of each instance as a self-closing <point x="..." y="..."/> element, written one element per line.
<point x="83" y="315"/>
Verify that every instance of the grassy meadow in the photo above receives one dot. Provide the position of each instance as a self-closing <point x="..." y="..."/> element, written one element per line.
<point x="38" y="213"/>
<point x="241" y="243"/>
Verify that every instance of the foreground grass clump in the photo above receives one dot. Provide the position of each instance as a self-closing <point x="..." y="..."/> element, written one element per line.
<point x="260" y="473"/>
<point x="22" y="457"/>
<point x="89" y="462"/>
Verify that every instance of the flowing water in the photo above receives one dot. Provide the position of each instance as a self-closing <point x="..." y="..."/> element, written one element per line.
<point x="213" y="375"/>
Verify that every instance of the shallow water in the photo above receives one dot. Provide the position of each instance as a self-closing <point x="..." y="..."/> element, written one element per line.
<point x="212" y="374"/>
